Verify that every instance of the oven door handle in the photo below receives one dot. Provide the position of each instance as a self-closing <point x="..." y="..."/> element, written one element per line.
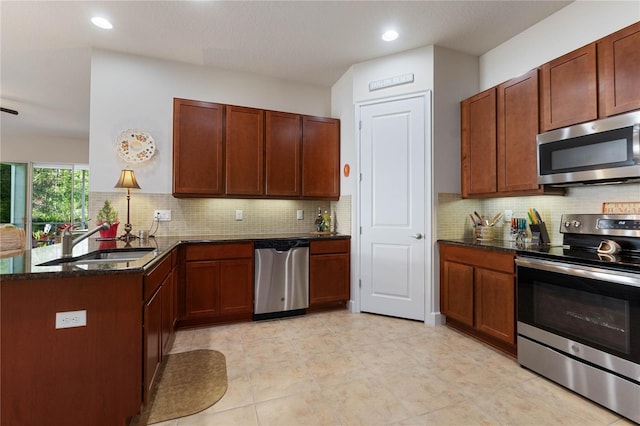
<point x="591" y="272"/>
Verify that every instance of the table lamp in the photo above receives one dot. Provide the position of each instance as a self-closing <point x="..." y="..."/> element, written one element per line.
<point x="127" y="181"/>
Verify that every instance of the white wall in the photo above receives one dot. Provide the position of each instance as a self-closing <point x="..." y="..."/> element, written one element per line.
<point x="44" y="149"/>
<point x="572" y="27"/>
<point x="353" y="87"/>
<point x="137" y="92"/>
<point x="342" y="106"/>
<point x="455" y="77"/>
<point x="448" y="76"/>
<point x="416" y="61"/>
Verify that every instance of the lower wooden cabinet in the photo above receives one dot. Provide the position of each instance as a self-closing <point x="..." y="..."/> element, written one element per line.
<point x="87" y="375"/>
<point x="329" y="272"/>
<point x="152" y="355"/>
<point x="456" y="292"/>
<point x="158" y="320"/>
<point x="217" y="284"/>
<point x="477" y="293"/>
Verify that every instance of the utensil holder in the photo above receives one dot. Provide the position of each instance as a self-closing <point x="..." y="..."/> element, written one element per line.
<point x="539" y="234"/>
<point x="484" y="233"/>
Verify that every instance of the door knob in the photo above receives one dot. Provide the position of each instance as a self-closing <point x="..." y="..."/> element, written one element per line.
<point x="417" y="236"/>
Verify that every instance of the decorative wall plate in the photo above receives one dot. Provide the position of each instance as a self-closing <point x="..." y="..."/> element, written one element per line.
<point x="135" y="146"/>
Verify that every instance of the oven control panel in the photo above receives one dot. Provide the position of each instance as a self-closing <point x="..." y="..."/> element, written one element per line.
<point x="601" y="224"/>
<point x="619" y="224"/>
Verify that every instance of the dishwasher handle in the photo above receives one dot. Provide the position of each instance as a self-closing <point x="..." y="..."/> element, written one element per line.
<point x="283" y="245"/>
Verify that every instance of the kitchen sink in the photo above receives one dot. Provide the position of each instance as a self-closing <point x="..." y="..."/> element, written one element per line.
<point x="103" y="256"/>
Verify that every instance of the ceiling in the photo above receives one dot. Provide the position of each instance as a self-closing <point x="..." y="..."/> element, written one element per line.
<point x="46" y="45"/>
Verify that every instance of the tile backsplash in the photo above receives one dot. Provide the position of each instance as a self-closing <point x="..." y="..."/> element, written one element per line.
<point x="453" y="211"/>
<point x="216" y="216"/>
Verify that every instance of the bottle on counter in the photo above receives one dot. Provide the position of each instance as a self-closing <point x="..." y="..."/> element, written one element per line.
<point x="326" y="222"/>
<point x="319" y="222"/>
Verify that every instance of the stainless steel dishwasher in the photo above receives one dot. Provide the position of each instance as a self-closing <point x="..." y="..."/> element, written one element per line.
<point x="281" y="278"/>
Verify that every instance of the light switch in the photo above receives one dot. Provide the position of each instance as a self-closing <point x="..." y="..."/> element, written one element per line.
<point x="300" y="214"/>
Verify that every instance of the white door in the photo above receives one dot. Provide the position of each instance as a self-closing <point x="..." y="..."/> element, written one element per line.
<point x="393" y="217"/>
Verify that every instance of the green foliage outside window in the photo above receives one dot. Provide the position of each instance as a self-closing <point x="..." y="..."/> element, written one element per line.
<point x="52" y="194"/>
<point x="5" y="193"/>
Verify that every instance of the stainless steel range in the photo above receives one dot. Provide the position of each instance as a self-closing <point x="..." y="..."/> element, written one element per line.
<point x="579" y="310"/>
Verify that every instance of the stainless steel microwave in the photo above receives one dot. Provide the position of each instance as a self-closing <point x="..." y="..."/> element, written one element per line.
<point x="598" y="152"/>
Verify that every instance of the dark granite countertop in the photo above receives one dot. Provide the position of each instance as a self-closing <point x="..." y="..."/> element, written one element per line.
<point x="25" y="265"/>
<point x="498" y="245"/>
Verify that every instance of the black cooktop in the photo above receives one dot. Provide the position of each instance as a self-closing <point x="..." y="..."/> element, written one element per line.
<point x="582" y="234"/>
<point x="624" y="261"/>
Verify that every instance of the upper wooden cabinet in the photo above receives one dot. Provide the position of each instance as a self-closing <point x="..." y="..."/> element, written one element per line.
<point x="198" y="148"/>
<point x="232" y="151"/>
<point x="244" y="151"/>
<point x="320" y="157"/>
<point x="283" y="154"/>
<point x="569" y="89"/>
<point x="478" y="147"/>
<point x="517" y="130"/>
<point x="598" y="80"/>
<point x="619" y="71"/>
<point x="498" y="144"/>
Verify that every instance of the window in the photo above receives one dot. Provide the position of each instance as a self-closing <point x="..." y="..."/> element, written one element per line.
<point x="13" y="194"/>
<point x="59" y="194"/>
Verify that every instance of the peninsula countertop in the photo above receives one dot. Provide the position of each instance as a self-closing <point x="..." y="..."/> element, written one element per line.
<point x="25" y="265"/>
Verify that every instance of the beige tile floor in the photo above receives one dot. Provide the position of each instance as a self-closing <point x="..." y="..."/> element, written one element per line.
<point x="339" y="368"/>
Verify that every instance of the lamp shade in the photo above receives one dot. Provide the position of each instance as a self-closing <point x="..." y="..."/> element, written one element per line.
<point x="127" y="180"/>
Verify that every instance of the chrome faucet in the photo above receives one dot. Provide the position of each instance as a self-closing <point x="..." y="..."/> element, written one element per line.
<point x="68" y="243"/>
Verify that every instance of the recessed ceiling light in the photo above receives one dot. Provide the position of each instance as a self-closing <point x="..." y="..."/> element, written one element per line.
<point x="101" y="22"/>
<point x="389" y="35"/>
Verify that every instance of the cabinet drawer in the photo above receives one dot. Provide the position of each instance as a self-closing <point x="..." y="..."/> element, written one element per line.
<point x="219" y="251"/>
<point x="485" y="258"/>
<point x="329" y="246"/>
<point x="154" y="278"/>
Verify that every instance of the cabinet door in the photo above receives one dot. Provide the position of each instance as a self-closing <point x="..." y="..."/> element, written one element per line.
<point x="202" y="289"/>
<point x="152" y="341"/>
<point x="457" y="291"/>
<point x="329" y="278"/>
<point x="320" y="157"/>
<point x="517" y="130"/>
<point x="236" y="286"/>
<point x="478" y="144"/>
<point x="283" y="154"/>
<point x="167" y="294"/>
<point x="244" y="146"/>
<point x="197" y="148"/>
<point x="175" y="274"/>
<point x="495" y="304"/>
<point x="619" y="71"/>
<point x="569" y="92"/>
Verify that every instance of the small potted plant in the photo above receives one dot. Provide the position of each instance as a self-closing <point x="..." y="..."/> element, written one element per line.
<point x="108" y="214"/>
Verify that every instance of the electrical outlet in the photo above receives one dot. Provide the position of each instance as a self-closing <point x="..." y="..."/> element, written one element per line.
<point x="162" y="215"/>
<point x="508" y="214"/>
<point x="239" y="214"/>
<point x="71" y="319"/>
<point x="300" y="214"/>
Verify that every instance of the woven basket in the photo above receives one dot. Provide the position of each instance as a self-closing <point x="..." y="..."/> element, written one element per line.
<point x="12" y="238"/>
